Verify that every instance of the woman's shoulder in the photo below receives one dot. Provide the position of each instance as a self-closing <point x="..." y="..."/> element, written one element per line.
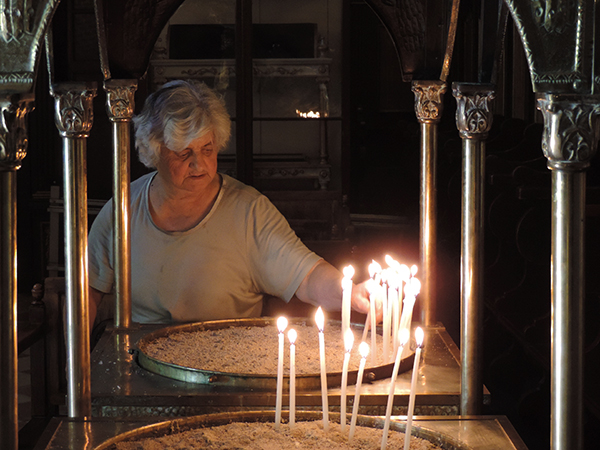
<point x="239" y="190"/>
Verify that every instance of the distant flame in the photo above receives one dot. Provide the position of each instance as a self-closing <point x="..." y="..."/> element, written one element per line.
<point x="320" y="319"/>
<point x="419" y="336"/>
<point x="363" y="349"/>
<point x="292" y="336"/>
<point x="282" y="324"/>
<point x="309" y="114"/>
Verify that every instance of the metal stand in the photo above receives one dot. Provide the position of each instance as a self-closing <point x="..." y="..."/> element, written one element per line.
<point x="13" y="148"/>
<point x="73" y="118"/>
<point x="473" y="120"/>
<point x="120" y="106"/>
<point x="571" y="132"/>
<point x="428" y="108"/>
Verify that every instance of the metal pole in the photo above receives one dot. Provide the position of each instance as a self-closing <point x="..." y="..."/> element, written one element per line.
<point x="473" y="120"/>
<point x="428" y="109"/>
<point x="571" y="131"/>
<point x="13" y="148"/>
<point x="73" y="118"/>
<point x="120" y="106"/>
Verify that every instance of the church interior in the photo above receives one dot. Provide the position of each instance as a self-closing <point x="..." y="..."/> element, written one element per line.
<point x="322" y="96"/>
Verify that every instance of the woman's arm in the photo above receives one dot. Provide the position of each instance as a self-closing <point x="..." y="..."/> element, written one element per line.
<point x="322" y="286"/>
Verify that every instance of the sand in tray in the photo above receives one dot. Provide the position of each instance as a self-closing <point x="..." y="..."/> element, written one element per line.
<point x="262" y="436"/>
<point x="254" y="349"/>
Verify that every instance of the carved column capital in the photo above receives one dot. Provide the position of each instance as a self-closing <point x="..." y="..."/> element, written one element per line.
<point x="74" y="113"/>
<point x="13" y="130"/>
<point x="571" y="129"/>
<point x="473" y="116"/>
<point x="429" y="100"/>
<point x="120" y="101"/>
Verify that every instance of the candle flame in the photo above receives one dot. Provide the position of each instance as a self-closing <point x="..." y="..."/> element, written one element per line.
<point x="363" y="349"/>
<point x="404" y="272"/>
<point x="292" y="336"/>
<point x="309" y="114"/>
<point x="394" y="279"/>
<point x="404" y="336"/>
<point x="348" y="340"/>
<point x="415" y="286"/>
<point x="419" y="336"/>
<point x="374" y="268"/>
<point x="349" y="271"/>
<point x="413" y="270"/>
<point x="282" y="324"/>
<point x="320" y="319"/>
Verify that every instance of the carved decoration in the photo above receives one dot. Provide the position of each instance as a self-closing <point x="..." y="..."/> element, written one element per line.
<point x="23" y="26"/>
<point x="429" y="100"/>
<point x="473" y="115"/>
<point x="13" y="131"/>
<point x="74" y="114"/>
<point x="558" y="39"/>
<point x="571" y="130"/>
<point x="120" y="102"/>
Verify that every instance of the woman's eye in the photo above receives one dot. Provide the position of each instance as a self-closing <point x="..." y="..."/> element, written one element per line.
<point x="184" y="154"/>
<point x="207" y="150"/>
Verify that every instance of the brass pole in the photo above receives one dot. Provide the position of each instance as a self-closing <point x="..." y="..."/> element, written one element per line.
<point x="428" y="109"/>
<point x="13" y="148"/>
<point x="73" y="118"/>
<point x="120" y="106"/>
<point x="9" y="430"/>
<point x="569" y="142"/>
<point x="473" y="120"/>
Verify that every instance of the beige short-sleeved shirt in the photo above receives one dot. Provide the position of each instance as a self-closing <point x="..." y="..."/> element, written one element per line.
<point x="244" y="248"/>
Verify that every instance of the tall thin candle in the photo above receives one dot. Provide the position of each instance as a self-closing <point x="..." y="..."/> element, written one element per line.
<point x="404" y="336"/>
<point x="348" y="343"/>
<point x="371" y="286"/>
<point x="387" y="324"/>
<point x="320" y="321"/>
<point x="346" y="298"/>
<point x="411" y="291"/>
<point x="292" y="336"/>
<point x="419" y="335"/>
<point x="282" y="324"/>
<point x="363" y="349"/>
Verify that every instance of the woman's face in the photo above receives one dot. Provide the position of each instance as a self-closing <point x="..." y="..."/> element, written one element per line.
<point x="193" y="168"/>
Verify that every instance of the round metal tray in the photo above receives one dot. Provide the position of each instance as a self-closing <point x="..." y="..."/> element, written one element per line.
<point x="187" y="423"/>
<point x="249" y="381"/>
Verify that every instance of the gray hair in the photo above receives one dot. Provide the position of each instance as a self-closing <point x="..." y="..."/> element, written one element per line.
<point x="175" y="115"/>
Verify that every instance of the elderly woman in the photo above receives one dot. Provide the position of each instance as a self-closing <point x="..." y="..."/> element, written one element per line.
<point x="204" y="246"/>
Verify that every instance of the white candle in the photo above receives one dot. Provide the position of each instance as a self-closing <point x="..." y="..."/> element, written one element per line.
<point x="411" y="291"/>
<point x="363" y="349"/>
<point x="348" y="343"/>
<point x="320" y="321"/>
<point x="387" y="324"/>
<point x="419" y="335"/>
<point x="404" y="336"/>
<point x="292" y="335"/>
<point x="366" y="328"/>
<point x="282" y="324"/>
<point x="371" y="286"/>
<point x="346" y="298"/>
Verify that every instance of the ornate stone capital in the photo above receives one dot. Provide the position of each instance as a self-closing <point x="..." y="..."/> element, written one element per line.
<point x="571" y="129"/>
<point x="429" y="100"/>
<point x="13" y="130"/>
<point x="120" y="101"/>
<point x="473" y="116"/>
<point x="73" y="108"/>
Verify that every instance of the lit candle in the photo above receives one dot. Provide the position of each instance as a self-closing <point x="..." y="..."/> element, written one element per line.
<point x="282" y="324"/>
<point x="411" y="290"/>
<point x="320" y="320"/>
<point x="363" y="349"/>
<point x="346" y="298"/>
<point x="292" y="335"/>
<point x="367" y="321"/>
<point x="419" y="335"/>
<point x="348" y="343"/>
<point x="371" y="286"/>
<point x="404" y="336"/>
<point x="387" y="324"/>
<point x="394" y="283"/>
